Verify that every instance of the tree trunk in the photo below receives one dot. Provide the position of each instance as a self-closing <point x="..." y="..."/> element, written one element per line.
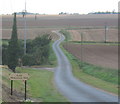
<point x="14" y="70"/>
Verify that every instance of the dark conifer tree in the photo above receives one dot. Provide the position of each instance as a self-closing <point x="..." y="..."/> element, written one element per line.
<point x="13" y="48"/>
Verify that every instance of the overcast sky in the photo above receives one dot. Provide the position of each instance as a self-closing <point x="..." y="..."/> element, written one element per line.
<point x="57" y="6"/>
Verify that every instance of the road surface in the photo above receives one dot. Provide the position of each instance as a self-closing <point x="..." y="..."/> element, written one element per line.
<point x="72" y="88"/>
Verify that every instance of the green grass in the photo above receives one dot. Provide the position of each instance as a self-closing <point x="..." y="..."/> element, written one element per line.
<point x="98" y="77"/>
<point x="88" y="27"/>
<point x="4" y="41"/>
<point x="18" y="85"/>
<point x="40" y="85"/>
<point x="95" y="43"/>
<point x="52" y="57"/>
<point x="106" y="74"/>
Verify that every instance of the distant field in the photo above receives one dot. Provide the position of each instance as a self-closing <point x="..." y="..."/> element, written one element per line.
<point x="31" y="33"/>
<point x="95" y="35"/>
<point x="46" y="23"/>
<point x="63" y="20"/>
<point x="99" y="55"/>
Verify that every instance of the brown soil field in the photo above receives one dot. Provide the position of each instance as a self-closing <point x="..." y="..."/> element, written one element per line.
<point x="97" y="35"/>
<point x="99" y="55"/>
<point x="31" y="33"/>
<point x="43" y="23"/>
<point x="62" y="20"/>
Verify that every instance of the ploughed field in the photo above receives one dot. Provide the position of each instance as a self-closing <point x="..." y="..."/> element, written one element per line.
<point x="31" y="33"/>
<point x="95" y="35"/>
<point x="47" y="23"/>
<point x="99" y="55"/>
<point x="63" y="20"/>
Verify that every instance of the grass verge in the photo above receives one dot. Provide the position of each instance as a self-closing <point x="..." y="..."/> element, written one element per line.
<point x="95" y="43"/>
<point x="52" y="57"/>
<point x="96" y="79"/>
<point x="66" y="34"/>
<point x="40" y="85"/>
<point x="4" y="41"/>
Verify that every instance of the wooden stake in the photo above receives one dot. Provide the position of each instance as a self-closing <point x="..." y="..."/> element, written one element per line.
<point x="11" y="87"/>
<point x="25" y="89"/>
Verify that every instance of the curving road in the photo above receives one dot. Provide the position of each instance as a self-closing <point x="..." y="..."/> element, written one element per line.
<point x="69" y="86"/>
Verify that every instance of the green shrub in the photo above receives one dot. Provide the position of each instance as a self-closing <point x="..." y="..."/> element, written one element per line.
<point x="37" y="51"/>
<point x="28" y="59"/>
